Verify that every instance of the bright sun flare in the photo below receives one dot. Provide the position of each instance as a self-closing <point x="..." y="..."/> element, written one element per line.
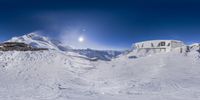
<point x="81" y="39"/>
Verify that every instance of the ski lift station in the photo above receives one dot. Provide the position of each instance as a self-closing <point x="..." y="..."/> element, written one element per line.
<point x="160" y="45"/>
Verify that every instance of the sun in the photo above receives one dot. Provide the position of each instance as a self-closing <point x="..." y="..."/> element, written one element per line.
<point x="81" y="39"/>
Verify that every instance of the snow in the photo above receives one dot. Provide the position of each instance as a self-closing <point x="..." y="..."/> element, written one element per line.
<point x="57" y="75"/>
<point x="53" y="75"/>
<point x="195" y="46"/>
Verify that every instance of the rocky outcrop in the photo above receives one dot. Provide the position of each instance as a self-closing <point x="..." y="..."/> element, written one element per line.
<point x="18" y="46"/>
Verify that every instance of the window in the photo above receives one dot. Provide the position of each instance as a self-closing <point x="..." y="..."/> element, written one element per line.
<point x="152" y="45"/>
<point x="158" y="44"/>
<point x="162" y="43"/>
<point x="168" y="44"/>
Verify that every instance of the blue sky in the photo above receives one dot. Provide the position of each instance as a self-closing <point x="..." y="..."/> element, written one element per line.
<point x="105" y="24"/>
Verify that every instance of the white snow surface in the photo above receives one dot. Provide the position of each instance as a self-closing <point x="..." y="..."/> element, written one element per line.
<point x="54" y="75"/>
<point x="195" y="46"/>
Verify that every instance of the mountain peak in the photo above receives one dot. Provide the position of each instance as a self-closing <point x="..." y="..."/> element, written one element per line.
<point x="33" y="34"/>
<point x="39" y="41"/>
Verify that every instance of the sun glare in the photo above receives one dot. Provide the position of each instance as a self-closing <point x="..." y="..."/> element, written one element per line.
<point x="81" y="39"/>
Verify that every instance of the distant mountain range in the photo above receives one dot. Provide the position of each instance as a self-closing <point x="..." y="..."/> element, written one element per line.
<point x="99" y="54"/>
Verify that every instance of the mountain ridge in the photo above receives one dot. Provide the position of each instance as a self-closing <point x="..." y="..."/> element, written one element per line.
<point x="39" y="41"/>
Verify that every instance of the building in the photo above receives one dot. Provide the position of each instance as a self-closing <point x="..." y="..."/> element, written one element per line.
<point x="159" y="45"/>
<point x="17" y="46"/>
<point x="14" y="44"/>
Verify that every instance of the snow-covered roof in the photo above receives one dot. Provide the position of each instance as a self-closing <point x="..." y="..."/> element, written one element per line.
<point x="156" y="41"/>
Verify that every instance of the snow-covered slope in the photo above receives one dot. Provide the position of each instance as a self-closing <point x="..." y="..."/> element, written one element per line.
<point x="55" y="76"/>
<point x="41" y="75"/>
<point x="195" y="46"/>
<point x="52" y="75"/>
<point x="39" y="41"/>
<point x="165" y="76"/>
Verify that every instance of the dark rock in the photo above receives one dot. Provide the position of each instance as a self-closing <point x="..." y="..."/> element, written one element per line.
<point x="132" y="57"/>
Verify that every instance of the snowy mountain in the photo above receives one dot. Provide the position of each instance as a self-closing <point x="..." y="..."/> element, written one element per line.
<point x="55" y="75"/>
<point x="39" y="41"/>
<point x="36" y="40"/>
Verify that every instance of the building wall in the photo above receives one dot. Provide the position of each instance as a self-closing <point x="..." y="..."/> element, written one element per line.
<point x="155" y="45"/>
<point x="176" y="44"/>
